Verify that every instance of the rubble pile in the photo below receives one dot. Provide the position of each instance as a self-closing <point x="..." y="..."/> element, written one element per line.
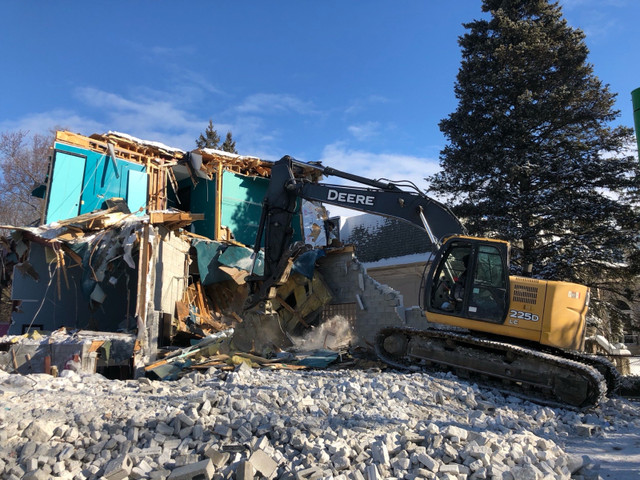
<point x="254" y="423"/>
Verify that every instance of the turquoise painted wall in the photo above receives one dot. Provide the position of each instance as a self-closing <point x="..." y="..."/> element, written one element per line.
<point x="99" y="183"/>
<point x="203" y="200"/>
<point x="241" y="206"/>
<point x="66" y="186"/>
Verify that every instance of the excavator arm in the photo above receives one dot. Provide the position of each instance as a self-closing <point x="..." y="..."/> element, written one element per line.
<point x="378" y="197"/>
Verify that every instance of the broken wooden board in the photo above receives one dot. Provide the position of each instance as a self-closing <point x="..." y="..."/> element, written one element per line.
<point x="174" y="220"/>
<point x="98" y="220"/>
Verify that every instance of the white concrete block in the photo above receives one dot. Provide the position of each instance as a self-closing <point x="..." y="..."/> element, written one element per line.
<point x="202" y="470"/>
<point x="118" y="468"/>
<point x="263" y="463"/>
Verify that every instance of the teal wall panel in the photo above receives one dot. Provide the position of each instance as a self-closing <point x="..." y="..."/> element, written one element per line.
<point x="242" y="204"/>
<point x="66" y="186"/>
<point x="100" y="181"/>
<point x="203" y="200"/>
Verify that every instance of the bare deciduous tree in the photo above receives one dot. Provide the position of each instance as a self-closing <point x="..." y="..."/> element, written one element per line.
<point x="23" y="163"/>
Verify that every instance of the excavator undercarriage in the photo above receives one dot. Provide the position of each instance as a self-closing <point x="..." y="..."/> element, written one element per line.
<point x="554" y="379"/>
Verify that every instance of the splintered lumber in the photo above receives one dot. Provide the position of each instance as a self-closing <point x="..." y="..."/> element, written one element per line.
<point x="257" y="359"/>
<point x="71" y="233"/>
<point x="98" y="220"/>
<point x="214" y="361"/>
<point x="207" y="365"/>
<point x="175" y="220"/>
<point x="200" y="301"/>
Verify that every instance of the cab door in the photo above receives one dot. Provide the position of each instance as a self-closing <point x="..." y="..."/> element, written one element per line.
<point x="470" y="279"/>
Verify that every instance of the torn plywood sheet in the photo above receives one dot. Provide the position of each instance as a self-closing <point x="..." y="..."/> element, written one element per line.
<point x="237" y="275"/>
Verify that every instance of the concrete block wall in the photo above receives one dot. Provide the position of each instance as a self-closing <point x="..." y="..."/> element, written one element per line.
<point x="377" y="305"/>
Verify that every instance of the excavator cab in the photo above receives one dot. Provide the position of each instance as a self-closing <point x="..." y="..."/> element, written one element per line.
<point x="469" y="278"/>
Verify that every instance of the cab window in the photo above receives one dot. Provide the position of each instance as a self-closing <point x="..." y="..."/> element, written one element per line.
<point x="488" y="295"/>
<point x="447" y="293"/>
<point x="471" y="281"/>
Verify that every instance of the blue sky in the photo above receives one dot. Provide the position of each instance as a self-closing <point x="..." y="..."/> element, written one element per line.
<point x="360" y="85"/>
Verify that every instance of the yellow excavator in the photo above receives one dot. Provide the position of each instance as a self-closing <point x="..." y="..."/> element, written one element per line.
<point x="520" y="334"/>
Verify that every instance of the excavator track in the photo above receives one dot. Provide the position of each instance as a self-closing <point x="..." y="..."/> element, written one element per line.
<point x="541" y="377"/>
<point x="602" y="364"/>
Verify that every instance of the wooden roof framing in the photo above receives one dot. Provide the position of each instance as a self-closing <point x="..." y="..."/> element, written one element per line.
<point x="154" y="155"/>
<point x="124" y="148"/>
<point x="245" y="165"/>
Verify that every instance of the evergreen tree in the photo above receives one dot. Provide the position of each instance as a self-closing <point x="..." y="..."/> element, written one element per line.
<point x="229" y="144"/>
<point x="210" y="139"/>
<point x="524" y="156"/>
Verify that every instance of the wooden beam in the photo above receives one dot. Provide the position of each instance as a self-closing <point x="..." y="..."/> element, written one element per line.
<point x="173" y="220"/>
<point x="218" y="204"/>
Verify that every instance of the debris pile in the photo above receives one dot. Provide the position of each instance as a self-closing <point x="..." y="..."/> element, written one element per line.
<point x="254" y="423"/>
<point x="143" y="239"/>
<point x="321" y="347"/>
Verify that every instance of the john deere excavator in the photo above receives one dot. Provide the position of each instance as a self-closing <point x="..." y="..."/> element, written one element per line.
<point x="520" y="334"/>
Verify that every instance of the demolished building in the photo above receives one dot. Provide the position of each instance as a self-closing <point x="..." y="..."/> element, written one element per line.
<point x="150" y="246"/>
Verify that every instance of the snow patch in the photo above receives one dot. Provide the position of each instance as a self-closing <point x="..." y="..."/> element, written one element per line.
<point x="145" y="142"/>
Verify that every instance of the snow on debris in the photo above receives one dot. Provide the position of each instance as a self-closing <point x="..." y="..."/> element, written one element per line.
<point x="345" y="424"/>
<point x="222" y="153"/>
<point x="150" y="143"/>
